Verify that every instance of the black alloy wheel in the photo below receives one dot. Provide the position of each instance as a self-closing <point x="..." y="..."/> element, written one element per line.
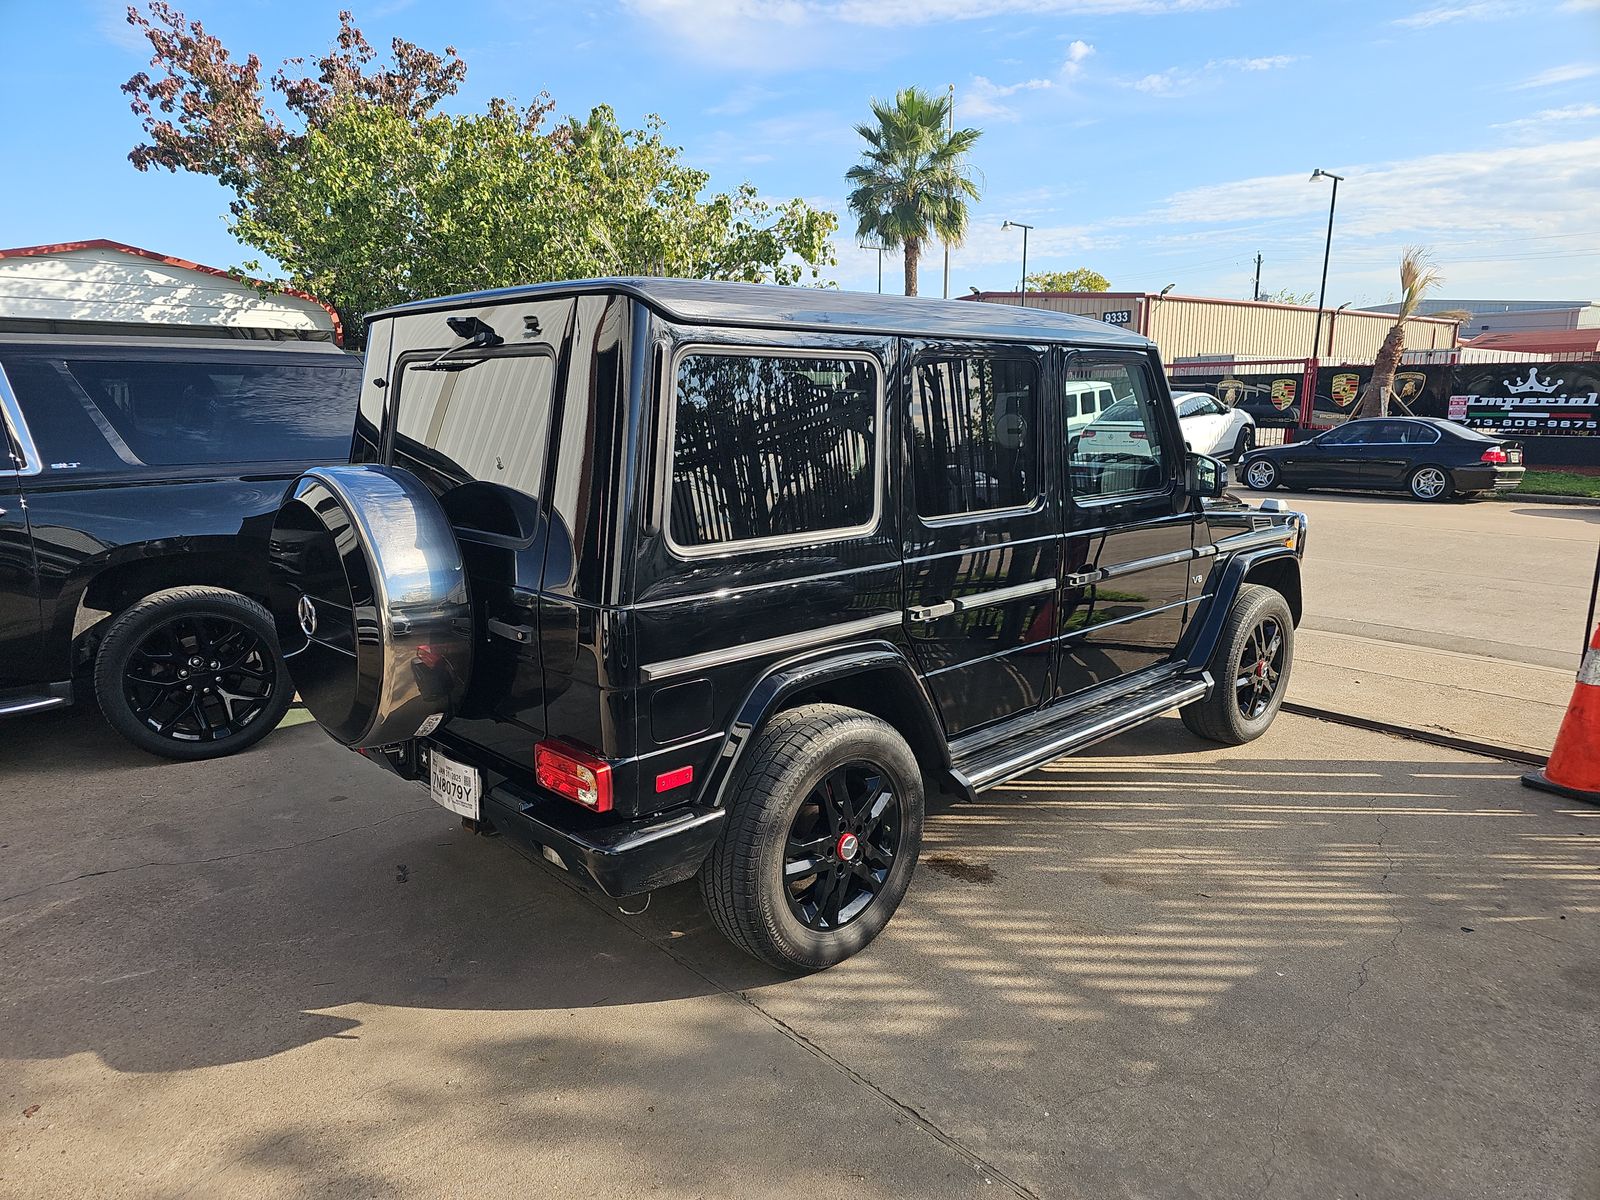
<point x="1260" y="668"/>
<point x="192" y="673"/>
<point x="842" y="845"/>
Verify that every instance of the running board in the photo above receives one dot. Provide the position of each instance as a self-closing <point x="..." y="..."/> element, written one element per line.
<point x="54" y="695"/>
<point x="1006" y="760"/>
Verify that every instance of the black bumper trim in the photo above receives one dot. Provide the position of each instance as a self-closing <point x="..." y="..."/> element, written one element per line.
<point x="624" y="859"/>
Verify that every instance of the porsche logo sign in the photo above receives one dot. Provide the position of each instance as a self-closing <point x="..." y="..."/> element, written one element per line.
<point x="1344" y="388"/>
<point x="1283" y="393"/>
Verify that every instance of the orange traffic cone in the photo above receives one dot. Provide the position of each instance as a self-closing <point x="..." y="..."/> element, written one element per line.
<point x="1574" y="766"/>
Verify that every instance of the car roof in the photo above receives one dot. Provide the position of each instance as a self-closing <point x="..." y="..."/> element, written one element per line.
<point x="704" y="302"/>
<point x="157" y="346"/>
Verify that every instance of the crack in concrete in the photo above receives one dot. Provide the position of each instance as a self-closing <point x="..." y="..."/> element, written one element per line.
<point x="196" y="862"/>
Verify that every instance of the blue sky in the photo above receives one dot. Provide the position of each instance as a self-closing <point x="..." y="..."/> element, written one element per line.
<point x="1158" y="141"/>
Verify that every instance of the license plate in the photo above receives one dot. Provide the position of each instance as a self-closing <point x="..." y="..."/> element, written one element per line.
<point x="1514" y="454"/>
<point x="456" y="787"/>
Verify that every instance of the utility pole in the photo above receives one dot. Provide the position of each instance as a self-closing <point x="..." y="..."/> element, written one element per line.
<point x="1322" y="296"/>
<point x="952" y="108"/>
<point x="1258" y="276"/>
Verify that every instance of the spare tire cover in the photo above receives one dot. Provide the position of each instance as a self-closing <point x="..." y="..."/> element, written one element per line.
<point x="371" y="602"/>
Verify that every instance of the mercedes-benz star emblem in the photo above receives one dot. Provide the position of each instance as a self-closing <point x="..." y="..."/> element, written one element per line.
<point x="307" y="613"/>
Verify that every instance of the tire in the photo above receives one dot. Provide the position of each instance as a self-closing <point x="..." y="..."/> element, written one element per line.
<point x="1245" y="444"/>
<point x="779" y="819"/>
<point x="1262" y="475"/>
<point x="221" y="641"/>
<point x="1224" y="716"/>
<point x="1430" y="483"/>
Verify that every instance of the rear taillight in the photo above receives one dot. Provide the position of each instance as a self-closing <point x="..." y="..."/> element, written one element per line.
<point x="1494" y="455"/>
<point x="574" y="774"/>
<point x="1087" y="433"/>
<point x="1140" y="434"/>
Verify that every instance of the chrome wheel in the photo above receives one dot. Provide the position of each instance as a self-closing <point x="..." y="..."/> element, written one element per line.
<point x="1260" y="668"/>
<point x="1261" y="475"/>
<point x="841" y="846"/>
<point x="1429" y="483"/>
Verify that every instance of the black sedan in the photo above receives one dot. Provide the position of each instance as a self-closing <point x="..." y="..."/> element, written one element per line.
<point x="1430" y="458"/>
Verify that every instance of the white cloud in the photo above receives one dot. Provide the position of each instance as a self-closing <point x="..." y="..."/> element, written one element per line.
<point x="1483" y="10"/>
<point x="1178" y="81"/>
<point x="770" y="35"/>
<point x="1570" y="112"/>
<point x="1566" y="73"/>
<point x="1077" y="52"/>
<point x="982" y="97"/>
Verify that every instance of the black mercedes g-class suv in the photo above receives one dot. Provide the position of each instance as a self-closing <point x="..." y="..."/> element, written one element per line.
<point x="666" y="578"/>
<point x="138" y="482"/>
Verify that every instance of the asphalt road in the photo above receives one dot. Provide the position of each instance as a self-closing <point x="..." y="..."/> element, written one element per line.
<point x="1331" y="963"/>
<point x="1500" y="579"/>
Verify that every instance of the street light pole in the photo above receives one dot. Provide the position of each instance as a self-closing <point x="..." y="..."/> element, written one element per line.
<point x="1327" y="250"/>
<point x="1024" y="228"/>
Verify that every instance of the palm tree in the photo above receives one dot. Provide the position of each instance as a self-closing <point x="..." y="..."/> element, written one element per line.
<point x="1418" y="277"/>
<point x="912" y="181"/>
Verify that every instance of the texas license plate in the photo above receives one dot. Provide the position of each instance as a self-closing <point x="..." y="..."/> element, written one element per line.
<point x="453" y="785"/>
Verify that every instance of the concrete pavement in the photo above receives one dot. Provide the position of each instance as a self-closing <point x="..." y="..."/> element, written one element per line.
<point x="1328" y="963"/>
<point x="1464" y="619"/>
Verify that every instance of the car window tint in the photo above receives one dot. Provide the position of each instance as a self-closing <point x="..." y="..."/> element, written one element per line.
<point x="974" y="424"/>
<point x="60" y="416"/>
<point x="772" y="446"/>
<point x="485" y="418"/>
<point x="1120" y="451"/>
<point x="1072" y="406"/>
<point x="1193" y="406"/>
<point x="1414" y="433"/>
<point x="179" y="413"/>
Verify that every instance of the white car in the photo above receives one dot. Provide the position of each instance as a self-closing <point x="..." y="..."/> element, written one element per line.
<point x="1211" y="427"/>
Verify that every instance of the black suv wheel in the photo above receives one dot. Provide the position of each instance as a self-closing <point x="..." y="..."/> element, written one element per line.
<point x="192" y="673"/>
<point x="821" y="839"/>
<point x="1250" y="667"/>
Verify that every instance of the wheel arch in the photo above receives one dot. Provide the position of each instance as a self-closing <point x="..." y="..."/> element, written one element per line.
<point x="1275" y="567"/>
<point x="874" y="678"/>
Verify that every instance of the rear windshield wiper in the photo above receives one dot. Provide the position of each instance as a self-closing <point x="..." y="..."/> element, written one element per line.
<point x="477" y="335"/>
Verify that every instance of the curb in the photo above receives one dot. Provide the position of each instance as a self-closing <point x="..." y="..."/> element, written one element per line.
<point x="1540" y="498"/>
<point x="1411" y="733"/>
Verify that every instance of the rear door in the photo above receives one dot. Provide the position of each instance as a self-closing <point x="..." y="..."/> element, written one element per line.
<point x="980" y="529"/>
<point x="19" y="580"/>
<point x="1129" y="532"/>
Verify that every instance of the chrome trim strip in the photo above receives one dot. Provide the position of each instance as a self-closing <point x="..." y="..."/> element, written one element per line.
<point x="1002" y="595"/>
<point x="11" y="414"/>
<point x="35" y="704"/>
<point x="887" y="566"/>
<point x="1145" y="564"/>
<point x="1277" y="535"/>
<point x="1113" y="722"/>
<point x="651" y="672"/>
<point x="665" y="830"/>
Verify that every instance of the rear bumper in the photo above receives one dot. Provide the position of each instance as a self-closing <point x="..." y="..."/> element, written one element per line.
<point x="1484" y="477"/>
<point x="623" y="859"/>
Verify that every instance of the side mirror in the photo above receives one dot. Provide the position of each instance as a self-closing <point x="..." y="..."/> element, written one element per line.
<point x="1204" y="476"/>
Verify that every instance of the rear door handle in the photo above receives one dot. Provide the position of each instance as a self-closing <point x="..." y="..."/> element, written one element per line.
<point x="931" y="612"/>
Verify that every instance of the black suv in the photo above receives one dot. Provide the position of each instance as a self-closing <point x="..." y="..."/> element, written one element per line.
<point x="665" y="578"/>
<point x="134" y="474"/>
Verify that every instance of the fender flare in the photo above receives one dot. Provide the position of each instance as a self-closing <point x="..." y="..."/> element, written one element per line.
<point x="1201" y="637"/>
<point x="789" y="678"/>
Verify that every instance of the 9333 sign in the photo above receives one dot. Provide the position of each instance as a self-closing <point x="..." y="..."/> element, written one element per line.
<point x="1117" y="316"/>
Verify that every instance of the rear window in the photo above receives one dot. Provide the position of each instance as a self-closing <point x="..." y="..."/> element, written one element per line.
<point x="487" y="417"/>
<point x="99" y="413"/>
<point x="772" y="446"/>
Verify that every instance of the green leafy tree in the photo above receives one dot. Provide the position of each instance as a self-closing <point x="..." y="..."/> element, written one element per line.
<point x="912" y="182"/>
<point x="1079" y="279"/>
<point x="366" y="194"/>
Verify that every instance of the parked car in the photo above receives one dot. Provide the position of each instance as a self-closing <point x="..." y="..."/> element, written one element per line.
<point x="140" y="480"/>
<point x="1431" y="458"/>
<point x="1211" y="427"/>
<point x="661" y="579"/>
<point x="1208" y="426"/>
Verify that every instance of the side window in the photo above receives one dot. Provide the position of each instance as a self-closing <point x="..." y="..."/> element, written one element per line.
<point x="1413" y="434"/>
<point x="1072" y="405"/>
<point x="772" y="446"/>
<point x="974" y="425"/>
<point x="487" y="417"/>
<point x="1120" y="451"/>
<point x="68" y="431"/>
<point x="1194" y="406"/>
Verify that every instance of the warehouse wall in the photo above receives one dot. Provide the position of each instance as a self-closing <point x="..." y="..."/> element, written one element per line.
<point x="1200" y="327"/>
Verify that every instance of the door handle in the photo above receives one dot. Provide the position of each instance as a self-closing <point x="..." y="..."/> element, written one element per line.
<point x="931" y="612"/>
<point x="1083" y="578"/>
